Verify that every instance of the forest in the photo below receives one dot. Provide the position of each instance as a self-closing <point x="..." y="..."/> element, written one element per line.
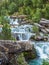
<point x="35" y="9"/>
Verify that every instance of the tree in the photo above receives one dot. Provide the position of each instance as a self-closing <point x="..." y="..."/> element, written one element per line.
<point x="20" y="3"/>
<point x="13" y="8"/>
<point x="37" y="3"/>
<point x="4" y="11"/>
<point x="26" y="10"/>
<point x="37" y="15"/>
<point x="47" y="11"/>
<point x="27" y="2"/>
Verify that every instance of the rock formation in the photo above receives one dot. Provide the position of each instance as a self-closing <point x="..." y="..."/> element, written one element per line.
<point x="9" y="50"/>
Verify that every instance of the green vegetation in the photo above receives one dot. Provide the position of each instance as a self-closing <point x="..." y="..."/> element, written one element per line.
<point x="35" y="9"/>
<point x="18" y="60"/>
<point x="21" y="60"/>
<point x="6" y="31"/>
<point x="36" y="29"/>
<point x="29" y="55"/>
<point x="45" y="62"/>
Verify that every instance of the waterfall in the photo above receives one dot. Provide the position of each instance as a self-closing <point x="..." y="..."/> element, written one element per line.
<point x="41" y="53"/>
<point x="42" y="49"/>
<point x="24" y="32"/>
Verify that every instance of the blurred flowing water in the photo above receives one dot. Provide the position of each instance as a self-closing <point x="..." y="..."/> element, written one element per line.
<point x="42" y="49"/>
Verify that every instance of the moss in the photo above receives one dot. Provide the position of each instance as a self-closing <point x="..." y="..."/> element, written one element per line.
<point x="21" y="60"/>
<point x="29" y="55"/>
<point x="18" y="60"/>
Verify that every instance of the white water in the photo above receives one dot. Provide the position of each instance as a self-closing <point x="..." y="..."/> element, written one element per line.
<point x="24" y="32"/>
<point x="40" y="53"/>
<point x="42" y="49"/>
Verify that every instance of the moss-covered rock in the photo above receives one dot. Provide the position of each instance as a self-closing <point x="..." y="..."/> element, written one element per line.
<point x="18" y="60"/>
<point x="30" y="54"/>
<point x="21" y="60"/>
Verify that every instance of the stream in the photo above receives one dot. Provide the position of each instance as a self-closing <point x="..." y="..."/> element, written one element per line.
<point x="24" y="32"/>
<point x="42" y="49"/>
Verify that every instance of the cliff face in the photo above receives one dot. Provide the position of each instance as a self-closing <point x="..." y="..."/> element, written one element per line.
<point x="15" y="53"/>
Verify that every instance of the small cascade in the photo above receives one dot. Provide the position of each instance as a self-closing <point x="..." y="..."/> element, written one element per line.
<point x="21" y="32"/>
<point x="42" y="49"/>
<point x="40" y="53"/>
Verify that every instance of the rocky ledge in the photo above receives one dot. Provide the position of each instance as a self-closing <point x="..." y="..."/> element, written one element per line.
<point x="11" y="50"/>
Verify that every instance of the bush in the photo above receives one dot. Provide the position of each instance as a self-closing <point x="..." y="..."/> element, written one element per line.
<point x="13" y="8"/>
<point x="36" y="29"/>
<point x="21" y="60"/>
<point x="6" y="32"/>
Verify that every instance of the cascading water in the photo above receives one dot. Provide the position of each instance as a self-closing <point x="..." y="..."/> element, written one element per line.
<point x="40" y="52"/>
<point x="22" y="32"/>
<point x="42" y="48"/>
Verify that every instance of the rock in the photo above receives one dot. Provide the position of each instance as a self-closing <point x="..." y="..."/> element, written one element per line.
<point x="3" y="59"/>
<point x="12" y="50"/>
<point x="30" y="54"/>
<point x="26" y="45"/>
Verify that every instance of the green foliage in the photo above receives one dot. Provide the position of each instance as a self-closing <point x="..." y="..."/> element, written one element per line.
<point x="12" y="8"/>
<point x="36" y="29"/>
<point x="29" y="55"/>
<point x="37" y="3"/>
<point x="45" y="62"/>
<point x="4" y="20"/>
<point x="3" y="11"/>
<point x="47" y="11"/>
<point x="34" y="8"/>
<point x="27" y="2"/>
<point x="6" y="32"/>
<point x="26" y="10"/>
<point x="0" y="36"/>
<point x="21" y="60"/>
<point x="37" y="15"/>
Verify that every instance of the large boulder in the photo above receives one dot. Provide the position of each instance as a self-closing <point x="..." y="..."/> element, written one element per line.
<point x="25" y="45"/>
